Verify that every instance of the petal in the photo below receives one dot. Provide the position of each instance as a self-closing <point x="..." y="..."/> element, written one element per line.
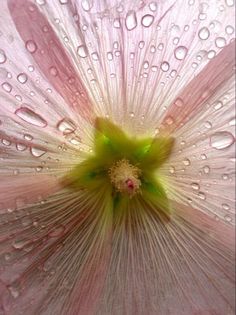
<point x="49" y="54"/>
<point x="201" y="89"/>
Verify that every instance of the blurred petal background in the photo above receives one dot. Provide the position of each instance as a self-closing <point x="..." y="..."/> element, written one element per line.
<point x="151" y="67"/>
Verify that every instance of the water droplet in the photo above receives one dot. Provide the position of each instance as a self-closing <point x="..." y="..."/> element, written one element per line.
<point x="180" y="52"/>
<point x="179" y="102"/>
<point x="6" y="142"/>
<point x="165" y="66"/>
<point x="36" y="152"/>
<point x="131" y="20"/>
<point x="86" y="5"/>
<point x="147" y="20"/>
<point x="53" y="71"/>
<point x="31" y="117"/>
<point x="22" y="78"/>
<point x="19" y="244"/>
<point x="220" y="42"/>
<point x="66" y="126"/>
<point x="40" y="2"/>
<point x="95" y="56"/>
<point x="116" y="23"/>
<point x="211" y="54"/>
<point x="82" y="51"/>
<point x="208" y="125"/>
<point x="63" y="1"/>
<point x="154" y="68"/>
<point x="201" y="195"/>
<point x="153" y="6"/>
<point x="204" y="33"/>
<point x="31" y="46"/>
<point x="3" y="57"/>
<point x="206" y="169"/>
<point x="14" y="291"/>
<point x="7" y="87"/>
<point x="141" y="44"/>
<point x="21" y="147"/>
<point x="232" y="122"/>
<point x="75" y="140"/>
<point x="28" y="137"/>
<point x="229" y="29"/>
<point x="218" y="105"/>
<point x="221" y="140"/>
<point x="195" y="186"/>
<point x="229" y="3"/>
<point x="228" y="218"/>
<point x="186" y="162"/>
<point x="57" y="231"/>
<point x="203" y="156"/>
<point x="225" y="206"/>
<point x="172" y="169"/>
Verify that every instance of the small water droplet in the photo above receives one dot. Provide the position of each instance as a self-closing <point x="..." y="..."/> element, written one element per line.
<point x="86" y="5"/>
<point x="14" y="291"/>
<point x="31" y="117"/>
<point x="220" y="42"/>
<point x="221" y="140"/>
<point x="28" y="137"/>
<point x="147" y="20"/>
<point x="153" y="6"/>
<point x="195" y="186"/>
<point x="208" y="125"/>
<point x="180" y="52"/>
<point x="82" y="51"/>
<point x="36" y="152"/>
<point x="31" y="46"/>
<point x="165" y="66"/>
<point x="19" y="244"/>
<point x="75" y="140"/>
<point x="186" y="162"/>
<point x="131" y="20"/>
<point x="204" y="33"/>
<point x="206" y="169"/>
<point x="232" y="121"/>
<point x="154" y="68"/>
<point x="7" y="87"/>
<point x="228" y="218"/>
<point x="53" y="71"/>
<point x="3" y="57"/>
<point x="229" y="29"/>
<point x="218" y="105"/>
<point x="95" y="56"/>
<point x="225" y="206"/>
<point x="229" y="3"/>
<point x="116" y="23"/>
<point x="179" y="102"/>
<point x="22" y="78"/>
<point x="201" y="195"/>
<point x="172" y="169"/>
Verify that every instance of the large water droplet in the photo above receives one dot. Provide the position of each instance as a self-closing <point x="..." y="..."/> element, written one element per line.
<point x="31" y="46"/>
<point x="22" y="78"/>
<point x="3" y="57"/>
<point x="131" y="20"/>
<point x="147" y="20"/>
<point x="204" y="33"/>
<point x="221" y="140"/>
<point x="30" y="116"/>
<point x="180" y="52"/>
<point x="82" y="51"/>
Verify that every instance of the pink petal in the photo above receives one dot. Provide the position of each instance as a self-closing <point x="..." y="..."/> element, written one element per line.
<point x="49" y="54"/>
<point x="196" y="94"/>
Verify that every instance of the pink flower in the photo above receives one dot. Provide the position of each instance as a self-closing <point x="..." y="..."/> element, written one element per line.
<point x="117" y="157"/>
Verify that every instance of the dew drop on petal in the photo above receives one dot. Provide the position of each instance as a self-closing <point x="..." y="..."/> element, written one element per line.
<point x="228" y="218"/>
<point x="147" y="20"/>
<point x="19" y="244"/>
<point x="86" y="5"/>
<point x="229" y="29"/>
<point x="63" y="1"/>
<point x="195" y="186"/>
<point x="7" y="87"/>
<point x="153" y="6"/>
<point x="221" y="140"/>
<point x="14" y="292"/>
<point x="206" y="169"/>
<point x="186" y="162"/>
<point x="22" y="78"/>
<point x="218" y="105"/>
<point x="31" y="46"/>
<point x="36" y="152"/>
<point x="21" y="147"/>
<point x="66" y="126"/>
<point x="179" y="102"/>
<point x="95" y="56"/>
<point x="82" y="51"/>
<point x="220" y="42"/>
<point x="201" y="195"/>
<point x="180" y="52"/>
<point x="204" y="33"/>
<point x="229" y="3"/>
<point x="53" y="71"/>
<point x="225" y="206"/>
<point x="31" y="117"/>
<point x="131" y="20"/>
<point x="165" y="66"/>
<point x="232" y="121"/>
<point x="3" y="57"/>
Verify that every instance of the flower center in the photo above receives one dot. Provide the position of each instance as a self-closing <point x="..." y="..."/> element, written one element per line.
<point x="125" y="177"/>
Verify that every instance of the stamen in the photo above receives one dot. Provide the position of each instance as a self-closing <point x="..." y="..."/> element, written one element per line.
<point x="125" y="177"/>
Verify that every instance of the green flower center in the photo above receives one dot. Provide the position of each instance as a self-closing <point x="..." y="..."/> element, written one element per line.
<point x="123" y="167"/>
